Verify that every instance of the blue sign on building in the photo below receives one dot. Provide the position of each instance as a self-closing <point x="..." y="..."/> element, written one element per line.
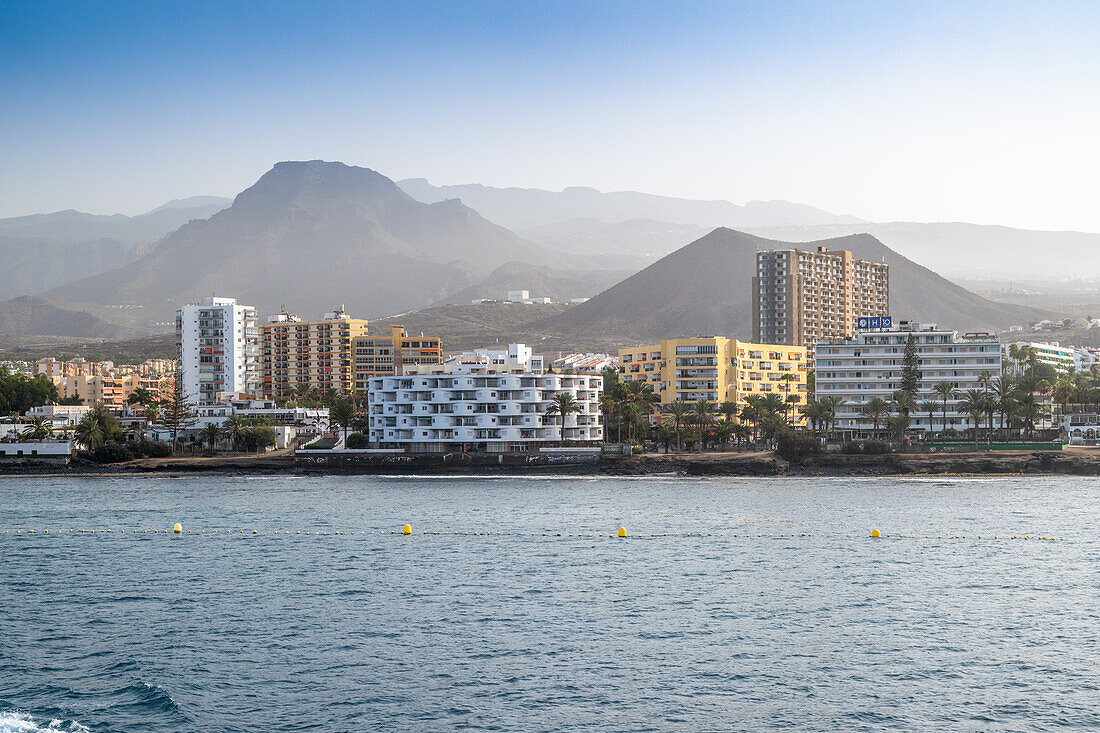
<point x="867" y="323"/>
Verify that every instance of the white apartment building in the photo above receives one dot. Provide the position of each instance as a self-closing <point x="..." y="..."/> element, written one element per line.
<point x="519" y="355"/>
<point x="218" y="344"/>
<point x="870" y="365"/>
<point x="1062" y="358"/>
<point x="481" y="407"/>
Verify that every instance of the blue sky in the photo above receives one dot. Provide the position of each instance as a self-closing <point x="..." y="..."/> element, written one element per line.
<point x="968" y="111"/>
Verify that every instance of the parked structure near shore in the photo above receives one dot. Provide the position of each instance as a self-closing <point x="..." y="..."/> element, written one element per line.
<point x="475" y="405"/>
<point x="870" y="365"/>
<point x="718" y="369"/>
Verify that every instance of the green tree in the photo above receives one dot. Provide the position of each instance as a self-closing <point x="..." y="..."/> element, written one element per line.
<point x="211" y="434"/>
<point x="703" y="415"/>
<point x="342" y="412"/>
<point x="39" y="429"/>
<point x="910" y="367"/>
<point x="724" y="430"/>
<point x="677" y="411"/>
<point x="946" y="392"/>
<point x="96" y="428"/>
<point x="177" y="413"/>
<point x="876" y="410"/>
<point x="562" y="404"/>
<point x="973" y="405"/>
<point x="235" y="429"/>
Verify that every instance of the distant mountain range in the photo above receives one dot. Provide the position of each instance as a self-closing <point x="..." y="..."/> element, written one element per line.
<point x="43" y="251"/>
<point x="523" y="208"/>
<point x="311" y="235"/>
<point x="641" y="227"/>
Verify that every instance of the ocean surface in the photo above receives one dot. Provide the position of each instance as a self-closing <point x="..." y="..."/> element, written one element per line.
<point x="522" y="629"/>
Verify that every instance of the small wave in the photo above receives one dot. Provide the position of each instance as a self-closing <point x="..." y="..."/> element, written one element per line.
<point x="13" y="721"/>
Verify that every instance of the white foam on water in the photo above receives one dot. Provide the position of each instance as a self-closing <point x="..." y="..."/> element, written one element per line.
<point x="13" y="721"/>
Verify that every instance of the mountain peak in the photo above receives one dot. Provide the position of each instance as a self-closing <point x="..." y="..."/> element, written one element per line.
<point x="297" y="184"/>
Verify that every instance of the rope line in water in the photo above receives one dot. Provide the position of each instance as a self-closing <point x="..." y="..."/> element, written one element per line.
<point x="621" y="534"/>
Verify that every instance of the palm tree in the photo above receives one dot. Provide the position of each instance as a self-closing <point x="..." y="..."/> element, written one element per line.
<point x="704" y="416"/>
<point x="973" y="404"/>
<point x="814" y="412"/>
<point x="342" y="412"/>
<point x="38" y="429"/>
<point x="786" y="380"/>
<point x="619" y="396"/>
<point x="663" y="434"/>
<point x="829" y="406"/>
<point x="724" y="429"/>
<point x="728" y="410"/>
<point x="235" y="428"/>
<point x="929" y="407"/>
<point x="1029" y="410"/>
<point x="875" y="410"/>
<point x="946" y="392"/>
<point x="211" y="434"/>
<point x="563" y="404"/>
<point x="741" y="432"/>
<point x="677" y="410"/>
<point x="96" y="427"/>
<point x="631" y="415"/>
<point x="141" y="396"/>
<point x="1004" y="395"/>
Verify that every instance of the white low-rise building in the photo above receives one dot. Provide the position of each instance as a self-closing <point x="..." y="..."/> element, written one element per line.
<point x="870" y="365"/>
<point x="1062" y="358"/>
<point x="36" y="449"/>
<point x="482" y="407"/>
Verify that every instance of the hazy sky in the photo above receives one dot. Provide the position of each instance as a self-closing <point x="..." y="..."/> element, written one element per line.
<point x="975" y="111"/>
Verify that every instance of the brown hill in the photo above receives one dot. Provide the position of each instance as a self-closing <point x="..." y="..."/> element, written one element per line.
<point x="311" y="235"/>
<point x="706" y="288"/>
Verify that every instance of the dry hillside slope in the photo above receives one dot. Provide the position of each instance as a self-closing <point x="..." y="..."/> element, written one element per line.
<point x="706" y="288"/>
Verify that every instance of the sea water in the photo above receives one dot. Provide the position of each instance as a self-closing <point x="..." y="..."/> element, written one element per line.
<point x="755" y="607"/>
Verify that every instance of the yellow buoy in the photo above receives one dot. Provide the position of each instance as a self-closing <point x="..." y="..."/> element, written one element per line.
<point x="177" y="528"/>
<point x="407" y="529"/>
<point x="622" y="531"/>
<point x="876" y="533"/>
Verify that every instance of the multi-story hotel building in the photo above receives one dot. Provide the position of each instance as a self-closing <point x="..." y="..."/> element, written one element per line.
<point x="218" y="349"/>
<point x="380" y="355"/>
<point x="718" y="369"/>
<point x="313" y="354"/>
<point x="478" y="406"/>
<point x="1062" y="358"/>
<point x="870" y="365"/>
<point x="801" y="298"/>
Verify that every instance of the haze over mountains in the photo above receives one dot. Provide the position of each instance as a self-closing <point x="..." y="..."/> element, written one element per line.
<point x="643" y="227"/>
<point x="313" y="235"/>
<point x="42" y="251"/>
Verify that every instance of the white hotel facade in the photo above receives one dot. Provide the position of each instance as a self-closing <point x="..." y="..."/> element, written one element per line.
<point x="478" y="406"/>
<point x="869" y="365"/>
<point x="218" y="349"/>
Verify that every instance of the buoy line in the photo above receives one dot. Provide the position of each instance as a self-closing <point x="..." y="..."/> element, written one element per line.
<point x="620" y="533"/>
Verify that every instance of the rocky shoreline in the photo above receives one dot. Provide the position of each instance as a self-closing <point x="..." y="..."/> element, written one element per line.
<point x="1067" y="462"/>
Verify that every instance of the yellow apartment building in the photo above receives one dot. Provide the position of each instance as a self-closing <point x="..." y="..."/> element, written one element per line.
<point x="381" y="356"/>
<point x="110" y="389"/>
<point x="314" y="354"/>
<point x="717" y="369"/>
